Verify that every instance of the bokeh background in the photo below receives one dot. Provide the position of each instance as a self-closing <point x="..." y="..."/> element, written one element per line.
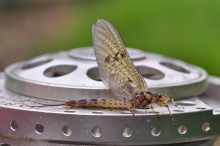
<point x="187" y="30"/>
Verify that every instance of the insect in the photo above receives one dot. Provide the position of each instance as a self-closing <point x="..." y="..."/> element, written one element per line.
<point x="118" y="73"/>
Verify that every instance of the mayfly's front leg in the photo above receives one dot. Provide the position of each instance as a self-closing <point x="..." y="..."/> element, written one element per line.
<point x="168" y="99"/>
<point x="150" y="107"/>
<point x="163" y="104"/>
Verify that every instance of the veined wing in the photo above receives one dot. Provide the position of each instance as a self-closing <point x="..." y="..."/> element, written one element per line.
<point x="121" y="87"/>
<point x="113" y="59"/>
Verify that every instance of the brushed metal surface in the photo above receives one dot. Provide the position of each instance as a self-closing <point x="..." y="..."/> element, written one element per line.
<point x="51" y="124"/>
<point x="61" y="77"/>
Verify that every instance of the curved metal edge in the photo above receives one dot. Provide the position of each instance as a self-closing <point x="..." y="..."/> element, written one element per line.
<point x="176" y="91"/>
<point x="213" y="94"/>
<point x="111" y="127"/>
<point x="54" y="92"/>
<point x="63" y="93"/>
<point x="22" y="140"/>
<point x="214" y="80"/>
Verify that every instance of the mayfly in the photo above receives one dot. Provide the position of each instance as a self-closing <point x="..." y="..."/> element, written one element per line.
<point x="118" y="73"/>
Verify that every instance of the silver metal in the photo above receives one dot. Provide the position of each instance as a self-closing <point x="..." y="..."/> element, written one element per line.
<point x="23" y="125"/>
<point x="87" y="53"/>
<point x="61" y="77"/>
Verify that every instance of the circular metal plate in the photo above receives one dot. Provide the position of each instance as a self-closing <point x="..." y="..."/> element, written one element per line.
<point x="59" y="124"/>
<point x="61" y="77"/>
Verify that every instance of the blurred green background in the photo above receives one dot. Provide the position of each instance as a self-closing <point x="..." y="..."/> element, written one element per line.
<point x="187" y="30"/>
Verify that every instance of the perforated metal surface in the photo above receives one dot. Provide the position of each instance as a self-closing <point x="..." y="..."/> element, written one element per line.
<point x="61" y="77"/>
<point x="55" y="125"/>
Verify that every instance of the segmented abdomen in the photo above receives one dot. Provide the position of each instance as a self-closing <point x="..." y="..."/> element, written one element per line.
<point x="101" y="103"/>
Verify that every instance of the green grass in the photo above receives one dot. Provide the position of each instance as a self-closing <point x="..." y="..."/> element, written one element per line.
<point x="187" y="30"/>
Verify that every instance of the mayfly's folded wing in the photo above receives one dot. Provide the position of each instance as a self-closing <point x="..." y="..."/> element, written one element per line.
<point x="112" y="57"/>
<point x="121" y="87"/>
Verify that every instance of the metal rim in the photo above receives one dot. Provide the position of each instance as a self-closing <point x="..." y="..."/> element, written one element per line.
<point x="75" y="79"/>
<point x="98" y="126"/>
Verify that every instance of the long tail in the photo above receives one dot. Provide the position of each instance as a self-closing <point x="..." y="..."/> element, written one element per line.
<point x="101" y="103"/>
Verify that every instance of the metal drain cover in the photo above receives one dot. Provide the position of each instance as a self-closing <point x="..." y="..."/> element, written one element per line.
<point x="74" y="75"/>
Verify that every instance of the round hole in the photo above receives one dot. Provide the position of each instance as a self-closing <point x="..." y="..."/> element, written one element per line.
<point x="8" y="103"/>
<point x="127" y="132"/>
<point x="93" y="73"/>
<point x="156" y="131"/>
<point x="174" y="67"/>
<point x="182" y="129"/>
<point x="205" y="126"/>
<point x="97" y="112"/>
<point x="150" y="73"/>
<point x="154" y="112"/>
<point x="70" y="111"/>
<point x="202" y="108"/>
<point x="96" y="131"/>
<point x="140" y="111"/>
<point x="60" y="70"/>
<point x="67" y="130"/>
<point x="185" y="103"/>
<point x="14" y="125"/>
<point x="178" y="110"/>
<point x="126" y="112"/>
<point x="39" y="128"/>
<point x="36" y="63"/>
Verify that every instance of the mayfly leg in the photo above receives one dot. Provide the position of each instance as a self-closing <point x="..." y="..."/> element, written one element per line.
<point x="171" y="98"/>
<point x="130" y="107"/>
<point x="170" y="114"/>
<point x="162" y="102"/>
<point x="176" y="104"/>
<point x="150" y="107"/>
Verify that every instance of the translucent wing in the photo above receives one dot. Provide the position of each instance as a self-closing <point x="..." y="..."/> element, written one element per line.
<point x="121" y="87"/>
<point x="113" y="59"/>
